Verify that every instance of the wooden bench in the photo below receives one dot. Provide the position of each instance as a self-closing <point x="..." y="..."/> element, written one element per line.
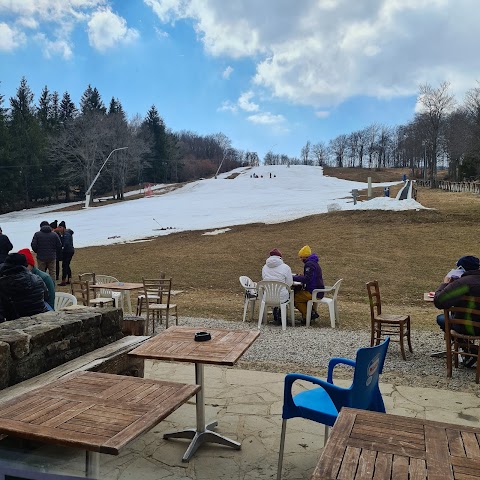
<point x="112" y="358"/>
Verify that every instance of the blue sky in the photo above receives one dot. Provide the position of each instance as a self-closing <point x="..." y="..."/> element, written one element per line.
<point x="270" y="74"/>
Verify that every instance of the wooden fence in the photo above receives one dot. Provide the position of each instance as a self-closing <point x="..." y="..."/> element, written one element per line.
<point x="471" y="187"/>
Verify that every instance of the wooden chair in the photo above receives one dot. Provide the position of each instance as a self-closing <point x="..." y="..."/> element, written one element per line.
<point x="462" y="335"/>
<point x="157" y="300"/>
<point x="386" y="325"/>
<point x="88" y="296"/>
<point x="90" y="276"/>
<point x="141" y="297"/>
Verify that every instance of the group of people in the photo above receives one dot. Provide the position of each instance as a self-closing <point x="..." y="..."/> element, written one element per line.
<point x="26" y="290"/>
<point x="54" y="244"/>
<point x="311" y="278"/>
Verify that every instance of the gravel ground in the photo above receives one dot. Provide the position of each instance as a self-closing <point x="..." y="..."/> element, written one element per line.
<point x="308" y="351"/>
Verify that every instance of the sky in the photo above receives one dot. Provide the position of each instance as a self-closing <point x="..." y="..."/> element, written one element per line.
<point x="196" y="207"/>
<point x="270" y="74"/>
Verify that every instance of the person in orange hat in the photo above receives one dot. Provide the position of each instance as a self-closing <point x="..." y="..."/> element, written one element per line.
<point x="47" y="280"/>
<point x="311" y="279"/>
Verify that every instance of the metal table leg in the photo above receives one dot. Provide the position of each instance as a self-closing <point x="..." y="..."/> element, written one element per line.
<point x="202" y="433"/>
<point x="92" y="464"/>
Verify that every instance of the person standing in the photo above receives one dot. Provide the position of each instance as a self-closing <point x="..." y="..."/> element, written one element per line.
<point x="311" y="279"/>
<point x="5" y="246"/>
<point x="44" y="276"/>
<point x="67" y="252"/>
<point x="275" y="269"/>
<point x="45" y="243"/>
<point x="58" y="230"/>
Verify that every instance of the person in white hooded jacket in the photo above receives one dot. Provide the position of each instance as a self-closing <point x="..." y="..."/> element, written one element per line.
<point x="276" y="269"/>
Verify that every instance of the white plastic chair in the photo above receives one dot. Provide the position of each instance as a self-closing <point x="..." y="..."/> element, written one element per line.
<point x="269" y="294"/>
<point x="250" y="295"/>
<point x="63" y="300"/>
<point x="118" y="297"/>
<point x="330" y="301"/>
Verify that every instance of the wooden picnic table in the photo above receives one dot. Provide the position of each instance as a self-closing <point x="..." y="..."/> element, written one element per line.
<point x="369" y="445"/>
<point x="97" y="412"/>
<point x="178" y="344"/>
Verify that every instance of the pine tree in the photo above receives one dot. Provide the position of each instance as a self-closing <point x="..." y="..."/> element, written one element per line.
<point x="68" y="110"/>
<point x="27" y="142"/>
<point x="91" y="102"/>
<point x="155" y="127"/>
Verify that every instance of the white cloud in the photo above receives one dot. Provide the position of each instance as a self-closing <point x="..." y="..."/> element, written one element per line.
<point x="161" y="33"/>
<point x="27" y="22"/>
<point x="228" y="106"/>
<point x="325" y="51"/>
<point x="52" y="48"/>
<point x="107" y="30"/>
<point x="266" y="118"/>
<point x="322" y="114"/>
<point x="245" y="104"/>
<point x="10" y="38"/>
<point x="227" y="72"/>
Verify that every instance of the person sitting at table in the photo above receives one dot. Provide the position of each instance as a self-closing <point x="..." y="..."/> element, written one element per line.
<point x="311" y="279"/>
<point x="450" y="291"/>
<point x="276" y="269"/>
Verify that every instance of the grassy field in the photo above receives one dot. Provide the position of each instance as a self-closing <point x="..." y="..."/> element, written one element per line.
<point x="407" y="252"/>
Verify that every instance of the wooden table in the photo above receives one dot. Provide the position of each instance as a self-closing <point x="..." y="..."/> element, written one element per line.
<point x="178" y="344"/>
<point x="378" y="446"/>
<point x="126" y="287"/>
<point x="427" y="297"/>
<point x="123" y="287"/>
<point x="97" y="412"/>
<point x="442" y="353"/>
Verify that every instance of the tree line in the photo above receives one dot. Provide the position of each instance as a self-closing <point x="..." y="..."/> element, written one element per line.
<point x="441" y="134"/>
<point x="51" y="150"/>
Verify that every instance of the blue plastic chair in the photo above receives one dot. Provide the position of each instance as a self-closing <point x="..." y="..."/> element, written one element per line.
<point x="323" y="404"/>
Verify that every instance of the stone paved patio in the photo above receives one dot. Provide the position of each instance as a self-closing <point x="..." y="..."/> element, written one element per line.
<point x="248" y="406"/>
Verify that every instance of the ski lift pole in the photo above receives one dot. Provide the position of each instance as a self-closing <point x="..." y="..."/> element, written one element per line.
<point x="88" y="193"/>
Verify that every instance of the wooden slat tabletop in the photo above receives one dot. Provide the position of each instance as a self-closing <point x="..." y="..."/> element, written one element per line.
<point x="178" y="344"/>
<point x="118" y="286"/>
<point x="94" y="411"/>
<point x="368" y="445"/>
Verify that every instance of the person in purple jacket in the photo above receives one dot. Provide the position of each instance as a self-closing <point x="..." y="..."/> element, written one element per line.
<point x="311" y="279"/>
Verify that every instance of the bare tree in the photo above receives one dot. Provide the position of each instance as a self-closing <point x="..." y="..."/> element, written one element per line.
<point x="436" y="104"/>
<point x="305" y="154"/>
<point x="320" y="153"/>
<point x="338" y="147"/>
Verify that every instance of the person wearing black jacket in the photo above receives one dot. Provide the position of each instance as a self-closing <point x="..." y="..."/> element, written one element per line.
<point x="45" y="243"/>
<point x="66" y="234"/>
<point x="5" y="246"/>
<point x="22" y="293"/>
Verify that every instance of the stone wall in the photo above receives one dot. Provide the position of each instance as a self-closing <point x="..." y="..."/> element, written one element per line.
<point x="32" y="345"/>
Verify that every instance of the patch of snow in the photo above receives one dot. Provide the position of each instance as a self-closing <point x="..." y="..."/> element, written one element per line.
<point x="290" y="193"/>
<point x="217" y="232"/>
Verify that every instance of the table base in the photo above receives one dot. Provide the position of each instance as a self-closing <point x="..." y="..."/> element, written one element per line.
<point x="197" y="438"/>
<point x="202" y="433"/>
